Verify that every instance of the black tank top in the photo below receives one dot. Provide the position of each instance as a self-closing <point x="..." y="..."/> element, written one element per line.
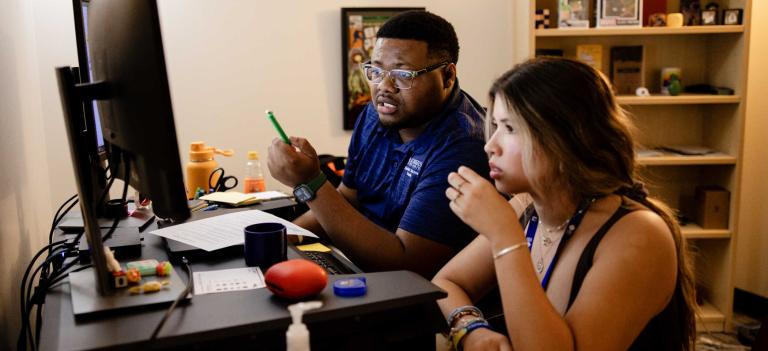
<point x="663" y="332"/>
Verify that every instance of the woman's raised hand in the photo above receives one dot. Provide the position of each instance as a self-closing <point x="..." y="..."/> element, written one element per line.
<point x="477" y="203"/>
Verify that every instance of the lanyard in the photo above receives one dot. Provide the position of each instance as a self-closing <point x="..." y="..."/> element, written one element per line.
<point x="573" y="223"/>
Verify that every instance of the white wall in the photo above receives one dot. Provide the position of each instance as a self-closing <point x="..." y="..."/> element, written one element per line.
<point x="751" y="268"/>
<point x="26" y="65"/>
<point x="228" y="61"/>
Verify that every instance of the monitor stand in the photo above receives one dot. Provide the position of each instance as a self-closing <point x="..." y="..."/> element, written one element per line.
<point x="86" y="300"/>
<point x="73" y="221"/>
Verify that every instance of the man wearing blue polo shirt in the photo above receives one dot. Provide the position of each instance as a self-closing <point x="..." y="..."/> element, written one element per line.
<point x="390" y="212"/>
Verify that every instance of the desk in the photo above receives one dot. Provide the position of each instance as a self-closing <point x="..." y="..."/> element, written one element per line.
<point x="399" y="311"/>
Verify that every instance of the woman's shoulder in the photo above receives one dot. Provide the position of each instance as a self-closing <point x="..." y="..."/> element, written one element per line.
<point x="640" y="231"/>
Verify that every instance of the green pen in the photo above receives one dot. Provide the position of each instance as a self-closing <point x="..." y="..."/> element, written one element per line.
<point x="280" y="131"/>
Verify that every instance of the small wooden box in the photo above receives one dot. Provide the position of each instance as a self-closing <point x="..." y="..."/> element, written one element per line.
<point x="712" y="207"/>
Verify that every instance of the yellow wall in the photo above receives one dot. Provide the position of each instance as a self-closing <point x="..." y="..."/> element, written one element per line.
<point x="751" y="268"/>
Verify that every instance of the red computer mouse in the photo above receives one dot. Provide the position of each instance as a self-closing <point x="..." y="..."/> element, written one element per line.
<point x="296" y="279"/>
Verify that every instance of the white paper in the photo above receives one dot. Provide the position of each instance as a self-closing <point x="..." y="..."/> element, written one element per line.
<point x="223" y="231"/>
<point x="228" y="280"/>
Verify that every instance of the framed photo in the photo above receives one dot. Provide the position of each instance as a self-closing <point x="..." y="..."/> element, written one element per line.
<point x="732" y="16"/>
<point x="691" y="10"/>
<point x="573" y="14"/>
<point x="619" y="13"/>
<point x="358" y="36"/>
<point x="708" y="17"/>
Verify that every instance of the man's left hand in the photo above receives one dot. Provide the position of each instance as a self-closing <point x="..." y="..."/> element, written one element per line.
<point x="293" y="164"/>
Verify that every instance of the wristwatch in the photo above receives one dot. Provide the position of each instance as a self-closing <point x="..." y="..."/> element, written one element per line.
<point x="306" y="192"/>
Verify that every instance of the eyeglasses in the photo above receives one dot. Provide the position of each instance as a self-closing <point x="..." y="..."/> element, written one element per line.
<point x="402" y="78"/>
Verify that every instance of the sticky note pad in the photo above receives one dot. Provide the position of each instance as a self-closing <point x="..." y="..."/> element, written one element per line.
<point x="316" y="247"/>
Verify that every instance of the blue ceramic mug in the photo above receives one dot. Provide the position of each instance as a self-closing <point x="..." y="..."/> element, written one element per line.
<point x="265" y="244"/>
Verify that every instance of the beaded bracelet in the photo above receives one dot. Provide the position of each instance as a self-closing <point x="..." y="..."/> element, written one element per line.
<point x="459" y="334"/>
<point x="462" y="311"/>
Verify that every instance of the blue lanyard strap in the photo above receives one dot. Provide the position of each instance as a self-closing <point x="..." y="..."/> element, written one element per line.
<point x="573" y="223"/>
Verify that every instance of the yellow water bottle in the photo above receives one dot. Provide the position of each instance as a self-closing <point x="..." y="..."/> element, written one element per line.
<point x="200" y="166"/>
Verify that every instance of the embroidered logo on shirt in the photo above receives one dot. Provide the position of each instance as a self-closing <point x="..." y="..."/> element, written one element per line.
<point x="413" y="167"/>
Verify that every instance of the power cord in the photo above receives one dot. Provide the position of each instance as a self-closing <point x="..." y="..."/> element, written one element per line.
<point x="53" y="269"/>
<point x="59" y="216"/>
<point x="176" y="302"/>
<point x="127" y="175"/>
<point x="25" y="303"/>
<point x="50" y="268"/>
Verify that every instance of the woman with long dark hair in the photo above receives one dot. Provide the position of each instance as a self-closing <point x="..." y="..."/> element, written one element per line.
<point x="583" y="258"/>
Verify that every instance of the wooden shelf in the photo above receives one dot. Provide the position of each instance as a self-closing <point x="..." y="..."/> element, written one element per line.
<point x="694" y="231"/>
<point x="710" y="318"/>
<point x="676" y="160"/>
<point x="715" y="55"/>
<point x="684" y="99"/>
<point x="589" y="32"/>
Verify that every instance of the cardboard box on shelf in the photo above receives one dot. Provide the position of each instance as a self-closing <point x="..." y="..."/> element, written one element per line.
<point x="712" y="207"/>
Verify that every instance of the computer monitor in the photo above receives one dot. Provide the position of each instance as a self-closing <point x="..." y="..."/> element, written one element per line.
<point x="128" y="80"/>
<point x="80" y="10"/>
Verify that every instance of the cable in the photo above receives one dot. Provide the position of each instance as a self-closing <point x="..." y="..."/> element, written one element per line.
<point x="49" y="282"/>
<point x="24" y="332"/>
<point x="57" y="218"/>
<point x="122" y="200"/>
<point x="176" y="302"/>
<point x="38" y="297"/>
<point x="60" y="278"/>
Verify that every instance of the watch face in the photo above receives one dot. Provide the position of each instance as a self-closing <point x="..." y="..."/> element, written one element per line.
<point x="303" y="193"/>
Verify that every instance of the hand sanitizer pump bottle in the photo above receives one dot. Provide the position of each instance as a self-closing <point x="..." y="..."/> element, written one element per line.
<point x="297" y="336"/>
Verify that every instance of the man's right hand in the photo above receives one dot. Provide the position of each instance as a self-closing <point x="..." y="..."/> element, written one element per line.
<point x="293" y="164"/>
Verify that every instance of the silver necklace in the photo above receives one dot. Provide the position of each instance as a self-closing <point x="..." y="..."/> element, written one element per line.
<point x="547" y="235"/>
<point x="547" y="242"/>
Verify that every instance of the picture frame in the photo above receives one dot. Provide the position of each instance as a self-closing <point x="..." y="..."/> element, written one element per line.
<point x="619" y="13"/>
<point x="573" y="14"/>
<point x="358" y="36"/>
<point x="732" y="16"/>
<point x="708" y="18"/>
<point x="691" y="10"/>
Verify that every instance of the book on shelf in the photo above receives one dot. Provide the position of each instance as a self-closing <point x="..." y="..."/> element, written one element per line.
<point x="549" y="52"/>
<point x="591" y="54"/>
<point x="627" y="69"/>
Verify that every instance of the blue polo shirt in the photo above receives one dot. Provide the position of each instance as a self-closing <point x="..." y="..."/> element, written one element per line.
<point x="402" y="185"/>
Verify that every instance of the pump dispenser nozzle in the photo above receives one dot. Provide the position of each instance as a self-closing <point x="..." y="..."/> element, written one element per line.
<point x="297" y="336"/>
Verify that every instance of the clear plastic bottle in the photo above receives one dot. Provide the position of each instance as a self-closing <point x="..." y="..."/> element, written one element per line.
<point x="297" y="335"/>
<point x="254" y="178"/>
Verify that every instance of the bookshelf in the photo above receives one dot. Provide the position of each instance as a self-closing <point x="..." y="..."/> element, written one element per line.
<point x="714" y="55"/>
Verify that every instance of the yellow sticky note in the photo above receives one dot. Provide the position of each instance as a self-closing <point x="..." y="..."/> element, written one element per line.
<point x="317" y="247"/>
